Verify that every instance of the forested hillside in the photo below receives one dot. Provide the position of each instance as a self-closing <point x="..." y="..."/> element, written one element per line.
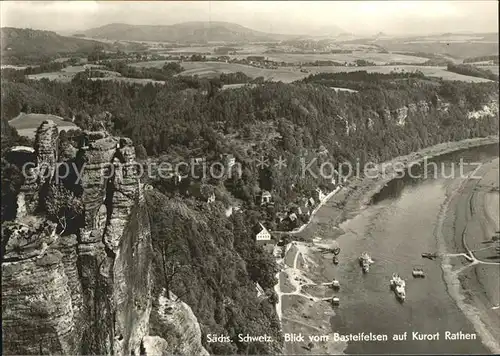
<point x="186" y="118"/>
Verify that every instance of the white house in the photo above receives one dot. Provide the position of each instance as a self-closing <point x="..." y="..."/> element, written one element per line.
<point x="265" y="197"/>
<point x="229" y="160"/>
<point x="211" y="198"/>
<point x="263" y="235"/>
<point x="321" y="196"/>
<point x="260" y="290"/>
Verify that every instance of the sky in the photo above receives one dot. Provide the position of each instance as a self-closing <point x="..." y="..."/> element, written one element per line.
<point x="287" y="17"/>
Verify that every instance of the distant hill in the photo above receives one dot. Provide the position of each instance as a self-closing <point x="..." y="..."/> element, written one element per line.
<point x="28" y="46"/>
<point x="22" y="41"/>
<point x="455" y="45"/>
<point x="194" y="32"/>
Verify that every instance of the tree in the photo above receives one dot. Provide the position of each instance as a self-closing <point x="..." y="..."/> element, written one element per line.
<point x="12" y="179"/>
<point x="62" y="206"/>
<point x="171" y="264"/>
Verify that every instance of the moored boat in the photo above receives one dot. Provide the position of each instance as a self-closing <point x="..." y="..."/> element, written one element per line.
<point x="428" y="255"/>
<point x="335" y="300"/>
<point x="398" y="285"/>
<point x="418" y="273"/>
<point x="335" y="284"/>
<point x="364" y="262"/>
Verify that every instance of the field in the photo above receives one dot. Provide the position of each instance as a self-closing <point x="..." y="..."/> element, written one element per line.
<point x="132" y="80"/>
<point x="290" y="74"/>
<point x="213" y="69"/>
<point x="284" y="74"/>
<point x="439" y="72"/>
<point x="236" y="86"/>
<point x="78" y="69"/>
<point x="64" y="75"/>
<point x="9" y="66"/>
<point x="375" y="57"/>
<point x="494" y="69"/>
<point x="27" y="124"/>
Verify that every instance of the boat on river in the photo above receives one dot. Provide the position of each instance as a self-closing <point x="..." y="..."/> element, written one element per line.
<point x="398" y="285"/>
<point x="335" y="284"/>
<point x="364" y="262"/>
<point x="430" y="256"/>
<point x="335" y="301"/>
<point x="418" y="273"/>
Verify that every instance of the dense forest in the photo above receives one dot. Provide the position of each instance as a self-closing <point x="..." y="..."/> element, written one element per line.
<point x="188" y="117"/>
<point x="473" y="71"/>
<point x="493" y="58"/>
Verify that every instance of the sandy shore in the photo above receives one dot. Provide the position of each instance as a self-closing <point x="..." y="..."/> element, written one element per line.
<point x="470" y="220"/>
<point x="302" y="291"/>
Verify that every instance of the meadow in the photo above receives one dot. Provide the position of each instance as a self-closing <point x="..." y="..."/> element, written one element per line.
<point x="142" y="81"/>
<point x="375" y="57"/>
<point x="438" y="72"/>
<point x="27" y="124"/>
<point x="494" y="69"/>
<point x="212" y="69"/>
<point x="290" y="74"/>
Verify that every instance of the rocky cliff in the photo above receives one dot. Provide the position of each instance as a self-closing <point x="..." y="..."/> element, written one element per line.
<point x="82" y="284"/>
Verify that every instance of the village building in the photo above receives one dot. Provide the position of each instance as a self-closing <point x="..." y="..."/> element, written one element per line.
<point x="320" y="195"/>
<point x="322" y="151"/>
<point x="263" y="235"/>
<point x="229" y="160"/>
<point x="177" y="178"/>
<point x="279" y="251"/>
<point x="280" y="216"/>
<point x="260" y="290"/>
<point x="265" y="197"/>
<point x="292" y="217"/>
<point x="211" y="198"/>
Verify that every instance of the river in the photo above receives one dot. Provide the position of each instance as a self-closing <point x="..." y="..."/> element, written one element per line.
<point x="395" y="229"/>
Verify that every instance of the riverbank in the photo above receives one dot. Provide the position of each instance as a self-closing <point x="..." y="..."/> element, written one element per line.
<point x="471" y="220"/>
<point x="308" y="312"/>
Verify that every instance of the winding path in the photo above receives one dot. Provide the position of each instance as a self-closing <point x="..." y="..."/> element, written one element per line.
<point x="469" y="254"/>
<point x="296" y="278"/>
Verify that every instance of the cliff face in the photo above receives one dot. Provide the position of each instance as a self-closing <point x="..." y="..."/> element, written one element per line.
<point x="176" y="321"/>
<point x="85" y="288"/>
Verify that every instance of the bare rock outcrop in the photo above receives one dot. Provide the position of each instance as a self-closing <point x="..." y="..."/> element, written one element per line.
<point x="85" y="288"/>
<point x="46" y="142"/>
<point x="174" y="320"/>
<point x="39" y="290"/>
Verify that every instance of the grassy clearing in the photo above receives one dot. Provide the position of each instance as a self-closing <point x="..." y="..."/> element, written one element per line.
<point x="494" y="69"/>
<point x="377" y="58"/>
<point x="64" y="75"/>
<point x="57" y="76"/>
<point x="78" y="69"/>
<point x="142" y="81"/>
<point x="27" y="124"/>
<point x="439" y="72"/>
<point x="236" y="86"/>
<point x="213" y="69"/>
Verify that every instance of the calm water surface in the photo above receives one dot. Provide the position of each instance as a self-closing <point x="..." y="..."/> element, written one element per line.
<point x="395" y="231"/>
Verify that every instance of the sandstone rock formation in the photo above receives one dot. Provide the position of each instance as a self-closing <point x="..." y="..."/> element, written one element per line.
<point x="85" y="289"/>
<point x="183" y="335"/>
